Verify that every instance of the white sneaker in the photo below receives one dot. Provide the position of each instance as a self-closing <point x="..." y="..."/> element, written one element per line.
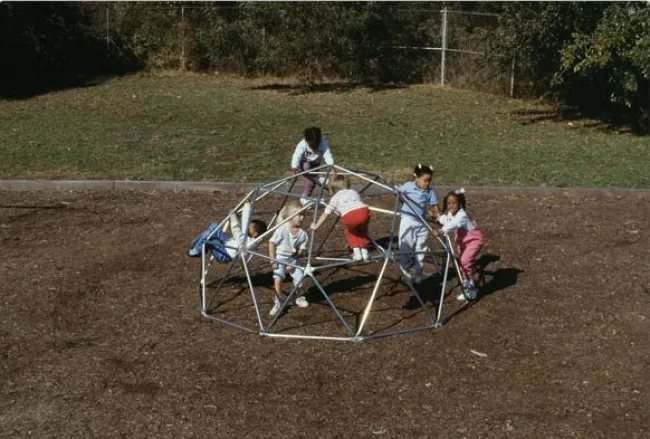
<point x="276" y="306"/>
<point x="470" y="289"/>
<point x="301" y="302"/>
<point x="304" y="202"/>
<point x="365" y="254"/>
<point x="321" y="180"/>
<point x="417" y="279"/>
<point x="357" y="255"/>
<point x="406" y="276"/>
<point x="470" y="293"/>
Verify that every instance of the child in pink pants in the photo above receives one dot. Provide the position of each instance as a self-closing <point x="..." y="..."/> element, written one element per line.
<point x="467" y="236"/>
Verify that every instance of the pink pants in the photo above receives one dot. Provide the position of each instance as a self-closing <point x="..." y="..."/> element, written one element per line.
<point x="469" y="243"/>
<point x="356" y="227"/>
<point x="310" y="184"/>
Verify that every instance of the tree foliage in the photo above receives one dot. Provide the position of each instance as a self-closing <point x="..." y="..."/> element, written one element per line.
<point x="591" y="55"/>
<point x="614" y="59"/>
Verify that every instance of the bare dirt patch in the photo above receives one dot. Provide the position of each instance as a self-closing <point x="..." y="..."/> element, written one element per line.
<point x="101" y="334"/>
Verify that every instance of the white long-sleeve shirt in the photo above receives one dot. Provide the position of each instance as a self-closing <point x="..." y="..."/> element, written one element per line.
<point x="451" y="223"/>
<point x="344" y="201"/>
<point x="232" y="245"/>
<point x="304" y="153"/>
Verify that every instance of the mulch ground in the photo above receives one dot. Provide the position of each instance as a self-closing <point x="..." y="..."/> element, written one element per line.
<point x="101" y="334"/>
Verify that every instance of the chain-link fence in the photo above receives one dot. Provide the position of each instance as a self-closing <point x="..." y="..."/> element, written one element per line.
<point x="452" y="48"/>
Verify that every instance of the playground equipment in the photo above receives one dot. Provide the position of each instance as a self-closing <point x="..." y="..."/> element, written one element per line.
<point x="243" y="287"/>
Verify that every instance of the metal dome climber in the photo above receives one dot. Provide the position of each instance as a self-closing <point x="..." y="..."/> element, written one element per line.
<point x="236" y="294"/>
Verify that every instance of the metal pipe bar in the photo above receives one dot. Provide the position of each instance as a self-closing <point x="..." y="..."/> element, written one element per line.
<point x="308" y="337"/>
<point x="364" y="178"/>
<point x="442" y="289"/>
<point x="253" y="296"/>
<point x="331" y="304"/>
<point x="366" y="311"/>
<point x="226" y="322"/>
<point x="400" y="331"/>
<point x="380" y="210"/>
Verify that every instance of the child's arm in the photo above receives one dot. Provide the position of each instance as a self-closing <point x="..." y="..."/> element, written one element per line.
<point x="452" y="224"/>
<point x="297" y="154"/>
<point x="433" y="212"/>
<point x="272" y="254"/>
<point x="321" y="220"/>
<point x="327" y="153"/>
<point x="302" y="244"/>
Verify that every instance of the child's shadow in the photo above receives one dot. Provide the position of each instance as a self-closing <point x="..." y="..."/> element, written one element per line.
<point x="490" y="281"/>
<point x="499" y="279"/>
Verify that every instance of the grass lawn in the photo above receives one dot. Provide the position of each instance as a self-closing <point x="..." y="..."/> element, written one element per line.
<point x="204" y="128"/>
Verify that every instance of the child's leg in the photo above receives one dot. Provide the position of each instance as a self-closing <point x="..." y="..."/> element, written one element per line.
<point x="310" y="184"/>
<point x="421" y="245"/>
<point x="298" y="276"/>
<point x="218" y="246"/>
<point x="468" y="252"/>
<point x="278" y="278"/>
<point x="406" y="244"/>
<point x="356" y="227"/>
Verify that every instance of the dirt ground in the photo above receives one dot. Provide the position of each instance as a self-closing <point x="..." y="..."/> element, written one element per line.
<point x="101" y="334"/>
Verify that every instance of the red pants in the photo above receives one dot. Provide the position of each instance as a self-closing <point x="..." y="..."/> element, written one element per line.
<point x="356" y="227"/>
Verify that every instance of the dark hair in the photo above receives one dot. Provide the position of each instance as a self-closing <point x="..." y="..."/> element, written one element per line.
<point x="313" y="136"/>
<point x="259" y="226"/>
<point x="421" y="169"/>
<point x="460" y="196"/>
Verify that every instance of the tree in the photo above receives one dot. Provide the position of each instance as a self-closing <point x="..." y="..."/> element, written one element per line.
<point x="614" y="60"/>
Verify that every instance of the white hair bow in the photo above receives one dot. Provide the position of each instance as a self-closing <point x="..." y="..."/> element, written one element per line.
<point x="459" y="191"/>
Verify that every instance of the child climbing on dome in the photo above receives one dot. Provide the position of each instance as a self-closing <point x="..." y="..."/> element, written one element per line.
<point x="466" y="235"/>
<point x="354" y="213"/>
<point x="288" y="243"/>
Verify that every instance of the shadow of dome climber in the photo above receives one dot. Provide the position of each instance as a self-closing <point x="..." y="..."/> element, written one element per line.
<point x="337" y="296"/>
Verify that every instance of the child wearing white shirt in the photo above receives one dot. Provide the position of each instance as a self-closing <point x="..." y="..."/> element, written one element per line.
<point x="354" y="213"/>
<point x="467" y="236"/>
<point x="308" y="154"/>
<point x="289" y="241"/>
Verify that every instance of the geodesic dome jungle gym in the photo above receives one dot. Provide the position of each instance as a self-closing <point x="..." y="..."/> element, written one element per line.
<point x="349" y="300"/>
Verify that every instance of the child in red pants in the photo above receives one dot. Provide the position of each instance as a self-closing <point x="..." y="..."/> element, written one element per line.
<point x="355" y="216"/>
<point x="467" y="236"/>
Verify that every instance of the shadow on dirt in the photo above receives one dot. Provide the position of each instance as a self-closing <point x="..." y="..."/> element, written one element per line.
<point x="499" y="279"/>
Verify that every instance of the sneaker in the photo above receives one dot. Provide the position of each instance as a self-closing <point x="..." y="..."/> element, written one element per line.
<point x="417" y="279"/>
<point x="276" y="306"/>
<point x="470" y="289"/>
<point x="406" y="276"/>
<point x="470" y="293"/>
<point x="356" y="256"/>
<point x="321" y="180"/>
<point x="192" y="253"/>
<point x="301" y="302"/>
<point x="365" y="255"/>
<point x="304" y="202"/>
